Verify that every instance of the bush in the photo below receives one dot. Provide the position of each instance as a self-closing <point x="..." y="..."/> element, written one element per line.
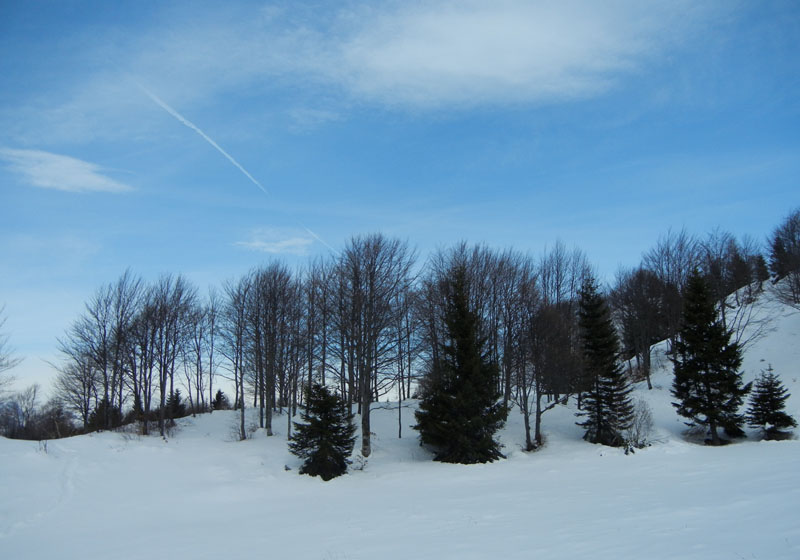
<point x="638" y="434"/>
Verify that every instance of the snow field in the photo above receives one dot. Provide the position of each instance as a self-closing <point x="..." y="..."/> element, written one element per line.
<point x="200" y="494"/>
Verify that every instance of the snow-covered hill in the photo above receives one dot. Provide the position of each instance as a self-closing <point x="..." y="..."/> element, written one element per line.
<point x="200" y="494"/>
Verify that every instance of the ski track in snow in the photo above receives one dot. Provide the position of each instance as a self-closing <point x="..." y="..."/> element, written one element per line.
<point x="66" y="490"/>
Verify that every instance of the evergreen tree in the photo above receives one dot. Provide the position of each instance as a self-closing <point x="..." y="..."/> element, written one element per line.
<point x="175" y="406"/>
<point x="459" y="412"/>
<point x="707" y="384"/>
<point x="607" y="405"/>
<point x="326" y="437"/>
<point x="104" y="417"/>
<point x="766" y="406"/>
<point x="221" y="401"/>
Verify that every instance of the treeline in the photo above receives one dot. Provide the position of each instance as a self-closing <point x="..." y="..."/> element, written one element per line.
<point x="369" y="323"/>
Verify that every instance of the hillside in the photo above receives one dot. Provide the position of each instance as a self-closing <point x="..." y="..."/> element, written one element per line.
<point x="200" y="494"/>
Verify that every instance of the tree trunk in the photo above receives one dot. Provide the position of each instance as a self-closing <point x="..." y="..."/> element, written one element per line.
<point x="399" y="418"/>
<point x="714" y="435"/>
<point x="538" y="419"/>
<point x="366" y="393"/>
<point x="526" y="415"/>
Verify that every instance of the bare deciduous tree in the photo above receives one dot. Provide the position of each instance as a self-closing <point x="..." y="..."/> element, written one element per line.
<point x="76" y="388"/>
<point x="141" y="358"/>
<point x="784" y="262"/>
<point x="173" y="297"/>
<point x="561" y="274"/>
<point x="233" y="332"/>
<point x="18" y="411"/>
<point x="672" y="260"/>
<point x="636" y="304"/>
<point x="7" y="359"/>
<point x="372" y="270"/>
<point x="270" y="307"/>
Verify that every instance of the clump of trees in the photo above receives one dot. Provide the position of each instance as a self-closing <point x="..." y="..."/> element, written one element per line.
<point x="7" y="358"/>
<point x="348" y="322"/>
<point x="21" y="417"/>
<point x="128" y="349"/>
<point x="784" y="260"/>
<point x="647" y="301"/>
<point x="369" y="323"/>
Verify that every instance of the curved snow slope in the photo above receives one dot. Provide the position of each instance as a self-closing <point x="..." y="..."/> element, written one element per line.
<point x="202" y="495"/>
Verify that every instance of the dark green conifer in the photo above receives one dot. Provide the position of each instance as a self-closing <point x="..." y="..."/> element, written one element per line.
<point x="460" y="410"/>
<point x="766" y="406"/>
<point x="104" y="417"/>
<point x="607" y="405"/>
<point x="221" y="401"/>
<point x="707" y="384"/>
<point x="175" y="406"/>
<point x="326" y="436"/>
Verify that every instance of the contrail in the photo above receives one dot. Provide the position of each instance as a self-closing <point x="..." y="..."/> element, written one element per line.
<point x="186" y="122"/>
<point x="318" y="238"/>
<point x="183" y="120"/>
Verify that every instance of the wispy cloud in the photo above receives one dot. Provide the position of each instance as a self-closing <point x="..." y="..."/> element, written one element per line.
<point x="440" y="53"/>
<point x="54" y="171"/>
<point x="70" y="247"/>
<point x="437" y="55"/>
<point x="487" y="53"/>
<point x="444" y="54"/>
<point x="306" y="119"/>
<point x="277" y="241"/>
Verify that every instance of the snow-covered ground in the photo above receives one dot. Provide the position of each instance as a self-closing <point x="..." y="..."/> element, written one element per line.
<point x="200" y="494"/>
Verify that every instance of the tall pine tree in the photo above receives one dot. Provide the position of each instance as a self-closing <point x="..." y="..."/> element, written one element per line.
<point x="708" y="384"/>
<point x="326" y="437"/>
<point x="607" y="405"/>
<point x="767" y="403"/>
<point x="460" y="410"/>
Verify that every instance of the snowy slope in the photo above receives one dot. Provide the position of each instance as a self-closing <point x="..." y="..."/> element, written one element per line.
<point x="200" y="494"/>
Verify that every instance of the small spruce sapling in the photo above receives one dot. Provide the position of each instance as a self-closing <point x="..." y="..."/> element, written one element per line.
<point x="175" y="406"/>
<point x="767" y="403"/>
<point x="221" y="401"/>
<point x="326" y="436"/>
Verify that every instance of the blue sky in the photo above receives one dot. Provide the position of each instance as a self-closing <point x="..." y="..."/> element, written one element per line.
<point x="602" y="124"/>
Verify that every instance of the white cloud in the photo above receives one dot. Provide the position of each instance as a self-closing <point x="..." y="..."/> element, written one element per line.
<point x="436" y="55"/>
<point x="54" y="171"/>
<point x="486" y="53"/>
<point x="305" y="119"/>
<point x="277" y="241"/>
<point x="428" y="55"/>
